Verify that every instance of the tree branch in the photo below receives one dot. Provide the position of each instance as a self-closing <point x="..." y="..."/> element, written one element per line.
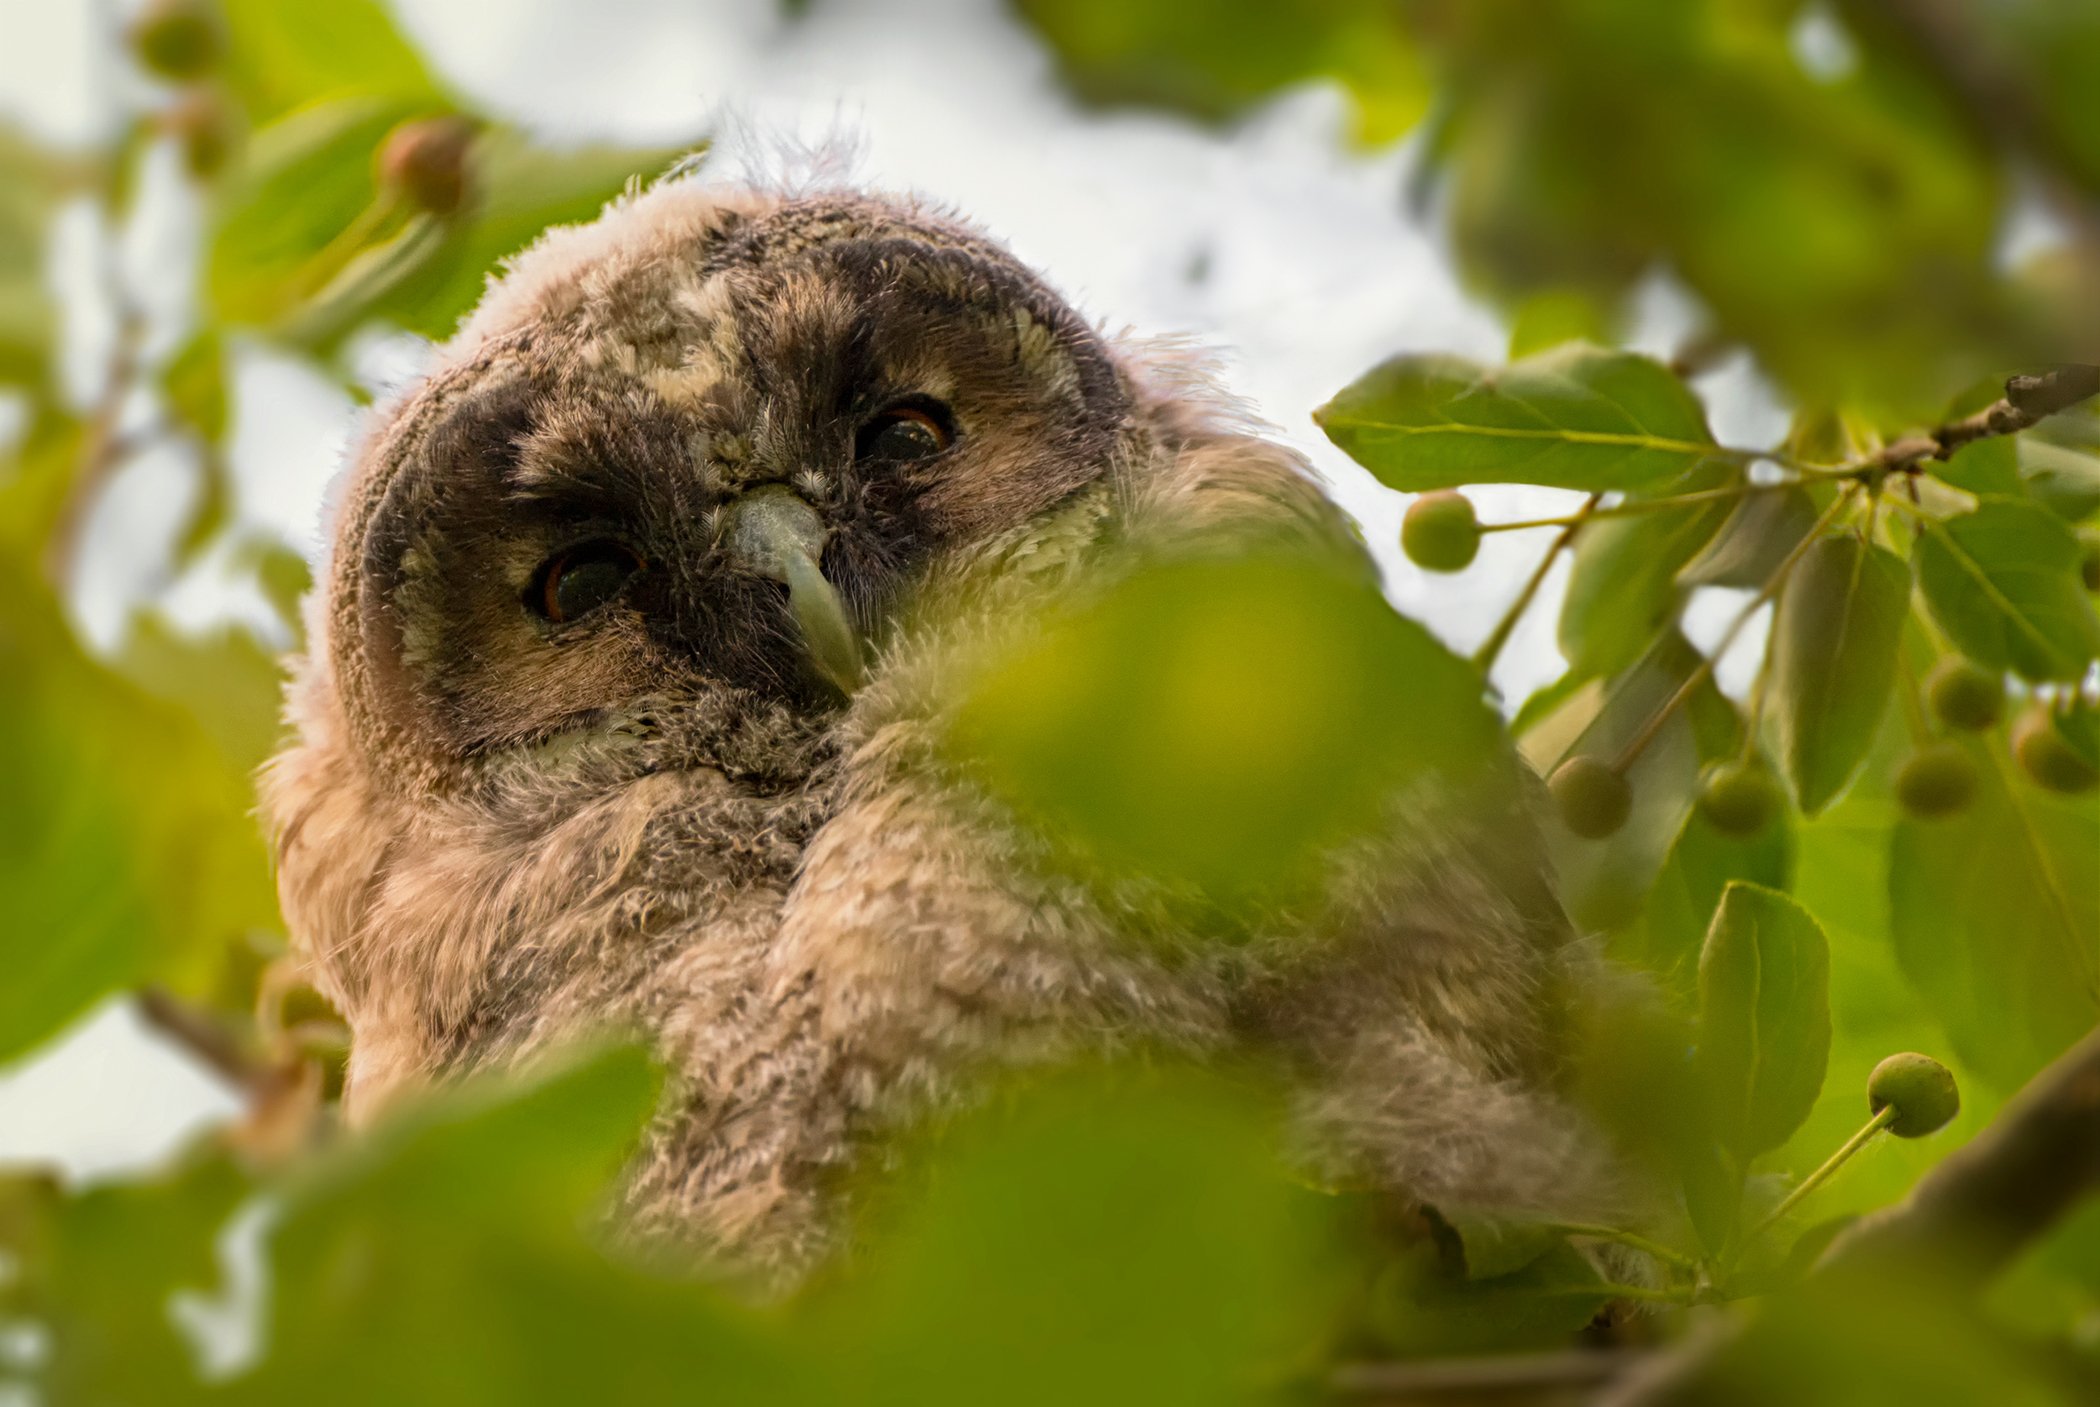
<point x="204" y="1038"/>
<point x="2028" y="400"/>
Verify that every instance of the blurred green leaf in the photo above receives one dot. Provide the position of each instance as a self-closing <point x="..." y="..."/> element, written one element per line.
<point x="2054" y="48"/>
<point x="1118" y="1238"/>
<point x="1834" y="637"/>
<point x="1576" y="417"/>
<point x="30" y="190"/>
<point x="1624" y="585"/>
<point x="1895" y="1340"/>
<point x="132" y="855"/>
<point x="2060" y="462"/>
<point x="1840" y="225"/>
<point x="1554" y="316"/>
<point x="1761" y="532"/>
<point x="447" y="1260"/>
<point x="194" y="384"/>
<point x="283" y="574"/>
<point x="307" y="248"/>
<point x="1764" y="1017"/>
<point x="115" y="1255"/>
<point x="1215" y="60"/>
<point x="284" y="57"/>
<point x="519" y="190"/>
<point x="2003" y="583"/>
<point x="300" y="208"/>
<point x="213" y="508"/>
<point x="1995" y="913"/>
<point x="36" y="479"/>
<point x="227" y="680"/>
<point x="1419" y="1311"/>
<point x="1220" y="720"/>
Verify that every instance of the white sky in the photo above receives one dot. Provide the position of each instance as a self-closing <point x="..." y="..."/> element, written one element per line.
<point x="1314" y="273"/>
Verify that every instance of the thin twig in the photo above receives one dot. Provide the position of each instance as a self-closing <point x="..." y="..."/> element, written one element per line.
<point x="1490" y="648"/>
<point x="1633" y="507"/>
<point x="204" y="1038"/>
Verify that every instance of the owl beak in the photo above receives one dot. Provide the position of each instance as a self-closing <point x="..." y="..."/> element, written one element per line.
<point x="772" y="531"/>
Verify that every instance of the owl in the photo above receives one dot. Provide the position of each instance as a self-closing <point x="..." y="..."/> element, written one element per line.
<point x="622" y="709"/>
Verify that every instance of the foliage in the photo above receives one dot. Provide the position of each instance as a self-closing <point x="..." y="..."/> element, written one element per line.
<point x="1826" y="182"/>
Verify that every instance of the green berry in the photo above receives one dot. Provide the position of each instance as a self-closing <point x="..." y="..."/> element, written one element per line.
<point x="1919" y="1089"/>
<point x="1440" y="532"/>
<point x="1594" y="799"/>
<point x="1964" y="696"/>
<point x="177" y="40"/>
<point x="424" y="162"/>
<point x="2047" y="756"/>
<point x="1738" y="798"/>
<point x="2089" y="557"/>
<point x="1938" y="780"/>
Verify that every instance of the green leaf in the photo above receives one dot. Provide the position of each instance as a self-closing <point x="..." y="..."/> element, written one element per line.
<point x="1834" y="637"/>
<point x="1842" y="227"/>
<point x="1482" y="1246"/>
<point x="1666" y="938"/>
<point x="1765" y="526"/>
<point x="1624" y="586"/>
<point x="284" y="57"/>
<point x="1764" y="1017"/>
<point x="227" y="680"/>
<point x="114" y="1256"/>
<point x="1216" y="59"/>
<point x="520" y="189"/>
<point x="1419" y="1310"/>
<point x="1576" y="417"/>
<point x="1603" y="882"/>
<point x="130" y="855"/>
<point x="1995" y="914"/>
<point x="30" y="190"/>
<point x="2060" y="461"/>
<point x="1553" y="316"/>
<point x="2003" y="583"/>
<point x="194" y="384"/>
<point x="300" y="208"/>
<point x="1220" y="721"/>
<point x="1096" y="1237"/>
<point x="305" y="249"/>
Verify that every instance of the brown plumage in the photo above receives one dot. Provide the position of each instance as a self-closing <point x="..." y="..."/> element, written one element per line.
<point x="504" y="822"/>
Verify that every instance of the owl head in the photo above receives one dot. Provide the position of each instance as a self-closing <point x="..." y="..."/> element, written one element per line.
<point x="702" y="448"/>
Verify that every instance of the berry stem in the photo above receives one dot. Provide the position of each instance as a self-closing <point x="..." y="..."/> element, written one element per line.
<point x="1633" y="507"/>
<point x="1491" y="648"/>
<point x="1881" y="1120"/>
<point x="1631" y="753"/>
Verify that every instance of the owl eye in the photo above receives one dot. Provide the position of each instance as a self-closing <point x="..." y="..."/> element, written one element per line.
<point x="580" y="579"/>
<point x="918" y="430"/>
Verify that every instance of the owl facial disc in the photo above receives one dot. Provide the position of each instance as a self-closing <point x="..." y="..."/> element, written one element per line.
<point x="773" y="532"/>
